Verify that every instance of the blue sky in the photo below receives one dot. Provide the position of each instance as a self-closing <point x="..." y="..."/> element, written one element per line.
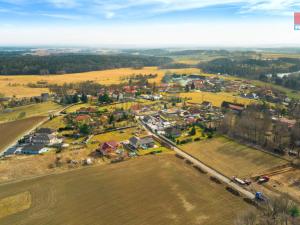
<point x="148" y="22"/>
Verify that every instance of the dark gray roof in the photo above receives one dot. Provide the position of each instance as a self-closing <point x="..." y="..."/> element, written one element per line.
<point x="42" y="137"/>
<point x="45" y="131"/>
<point x="146" y="119"/>
<point x="134" y="140"/>
<point x="172" y="131"/>
<point x="33" y="147"/>
<point x="146" y="140"/>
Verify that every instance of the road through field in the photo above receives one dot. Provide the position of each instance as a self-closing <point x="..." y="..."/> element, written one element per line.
<point x="201" y="165"/>
<point x="40" y="121"/>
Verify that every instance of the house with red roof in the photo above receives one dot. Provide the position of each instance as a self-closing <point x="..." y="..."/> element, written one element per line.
<point x="108" y="148"/>
<point x="83" y="118"/>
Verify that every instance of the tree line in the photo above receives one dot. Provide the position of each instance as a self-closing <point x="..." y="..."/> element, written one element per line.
<point x="73" y="63"/>
<point x="255" y="125"/>
<point x="264" y="70"/>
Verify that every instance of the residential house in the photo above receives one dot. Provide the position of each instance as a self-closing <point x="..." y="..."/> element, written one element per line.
<point x="143" y="142"/>
<point x="45" y="130"/>
<point x="117" y="96"/>
<point x="109" y="147"/>
<point x="44" y="139"/>
<point x="34" y="149"/>
<point x="88" y="110"/>
<point x="83" y="118"/>
<point x="234" y="107"/>
<point x="172" y="132"/>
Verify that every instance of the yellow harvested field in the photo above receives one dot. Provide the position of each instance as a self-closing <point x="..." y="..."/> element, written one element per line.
<point x="231" y="158"/>
<point x="16" y="85"/>
<point x="215" y="98"/>
<point x="15" y="204"/>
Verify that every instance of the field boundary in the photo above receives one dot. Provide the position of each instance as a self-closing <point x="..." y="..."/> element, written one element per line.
<point x="256" y="147"/>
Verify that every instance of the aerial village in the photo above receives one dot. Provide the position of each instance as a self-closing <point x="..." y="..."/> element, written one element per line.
<point x="118" y="123"/>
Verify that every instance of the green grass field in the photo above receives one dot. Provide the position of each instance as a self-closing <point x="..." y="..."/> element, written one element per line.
<point x="55" y="123"/>
<point x="149" y="190"/>
<point x="41" y="109"/>
<point x="231" y="158"/>
<point x="12" y="130"/>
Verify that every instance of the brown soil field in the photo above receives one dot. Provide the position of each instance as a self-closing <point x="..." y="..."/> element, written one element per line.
<point x="231" y="158"/>
<point x="13" y="130"/>
<point x="16" y="85"/>
<point x="149" y="190"/>
<point x="288" y="182"/>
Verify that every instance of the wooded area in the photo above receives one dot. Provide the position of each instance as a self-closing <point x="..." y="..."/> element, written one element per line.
<point x="73" y="63"/>
<point x="264" y="70"/>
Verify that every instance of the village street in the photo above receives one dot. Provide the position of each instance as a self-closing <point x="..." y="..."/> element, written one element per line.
<point x="198" y="163"/>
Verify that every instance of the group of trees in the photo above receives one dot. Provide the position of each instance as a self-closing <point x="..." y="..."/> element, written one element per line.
<point x="255" y="125"/>
<point x="72" y="99"/>
<point x="73" y="63"/>
<point x="278" y="210"/>
<point x="257" y="69"/>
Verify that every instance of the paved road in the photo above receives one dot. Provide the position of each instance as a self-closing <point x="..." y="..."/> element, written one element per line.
<point x="198" y="163"/>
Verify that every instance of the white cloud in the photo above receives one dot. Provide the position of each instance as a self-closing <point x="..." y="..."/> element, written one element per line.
<point x="161" y="6"/>
<point x="61" y="16"/>
<point x="64" y="3"/>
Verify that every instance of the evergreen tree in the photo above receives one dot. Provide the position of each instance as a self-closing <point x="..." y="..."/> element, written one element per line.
<point x="75" y="98"/>
<point x="84" y="98"/>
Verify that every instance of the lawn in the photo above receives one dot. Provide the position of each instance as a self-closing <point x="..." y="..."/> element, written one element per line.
<point x="186" y="135"/>
<point x="11" y="131"/>
<point x="40" y="109"/>
<point x="74" y="108"/>
<point x="55" y="123"/>
<point x="215" y="98"/>
<point x="158" y="149"/>
<point x="231" y="158"/>
<point x="145" y="191"/>
<point x="121" y="135"/>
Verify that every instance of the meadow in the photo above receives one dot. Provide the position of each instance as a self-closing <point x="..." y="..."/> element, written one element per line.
<point x="40" y="109"/>
<point x="11" y="131"/>
<point x="150" y="190"/>
<point x="231" y="158"/>
<point x="215" y="98"/>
